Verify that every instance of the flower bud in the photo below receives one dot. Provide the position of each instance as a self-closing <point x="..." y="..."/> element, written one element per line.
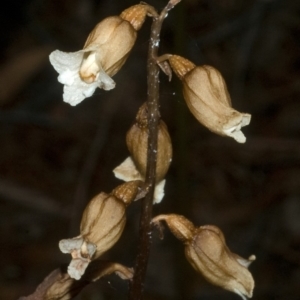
<point x="102" y="224"/>
<point x="207" y="97"/>
<point x="137" y="143"/>
<point x="207" y="252"/>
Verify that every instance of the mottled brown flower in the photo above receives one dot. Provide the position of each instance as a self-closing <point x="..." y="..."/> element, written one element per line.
<point x="135" y="166"/>
<point x="207" y="252"/>
<point x="206" y="94"/>
<point x="104" y="53"/>
<point x="137" y="144"/>
<point x="102" y="224"/>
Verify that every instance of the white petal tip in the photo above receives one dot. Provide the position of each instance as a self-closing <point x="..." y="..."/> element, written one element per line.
<point x="246" y="120"/>
<point x="76" y="93"/>
<point x="159" y="191"/>
<point x="246" y="262"/>
<point x="235" y="130"/>
<point x="77" y="268"/>
<point x="69" y="245"/>
<point x="240" y="294"/>
<point x="127" y="171"/>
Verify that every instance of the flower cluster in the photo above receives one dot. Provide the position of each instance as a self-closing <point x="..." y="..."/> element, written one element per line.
<point x="204" y="90"/>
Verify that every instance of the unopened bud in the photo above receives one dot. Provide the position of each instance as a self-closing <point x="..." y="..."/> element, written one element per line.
<point x="207" y="97"/>
<point x="207" y="252"/>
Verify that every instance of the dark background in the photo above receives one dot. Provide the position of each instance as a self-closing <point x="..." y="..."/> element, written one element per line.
<point x="54" y="157"/>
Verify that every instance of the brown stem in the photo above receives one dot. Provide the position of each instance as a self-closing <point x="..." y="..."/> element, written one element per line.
<point x="137" y="284"/>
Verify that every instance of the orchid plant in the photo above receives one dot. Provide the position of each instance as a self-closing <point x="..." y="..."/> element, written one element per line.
<point x="150" y="154"/>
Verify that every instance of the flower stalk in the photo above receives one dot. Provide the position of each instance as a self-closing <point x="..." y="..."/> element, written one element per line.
<point x="153" y="70"/>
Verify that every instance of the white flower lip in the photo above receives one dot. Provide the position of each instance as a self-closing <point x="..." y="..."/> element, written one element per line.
<point x="235" y="130"/>
<point x="104" y="53"/>
<point x="81" y="252"/>
<point x="208" y="99"/>
<point x="68" y="66"/>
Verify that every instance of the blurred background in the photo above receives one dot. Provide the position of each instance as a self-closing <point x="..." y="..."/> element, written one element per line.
<point x="55" y="157"/>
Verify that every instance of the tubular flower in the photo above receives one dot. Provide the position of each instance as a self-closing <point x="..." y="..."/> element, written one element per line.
<point x="101" y="226"/>
<point x="207" y="252"/>
<point x="104" y="53"/>
<point x="134" y="167"/>
<point x="207" y="97"/>
<point x="137" y="144"/>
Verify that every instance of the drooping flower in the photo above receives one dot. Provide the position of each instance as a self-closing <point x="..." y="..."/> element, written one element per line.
<point x="134" y="167"/>
<point x="101" y="226"/>
<point x="104" y="53"/>
<point x="207" y="252"/>
<point x="207" y="97"/>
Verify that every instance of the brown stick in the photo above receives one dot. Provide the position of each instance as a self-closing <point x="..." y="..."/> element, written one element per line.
<point x="137" y="285"/>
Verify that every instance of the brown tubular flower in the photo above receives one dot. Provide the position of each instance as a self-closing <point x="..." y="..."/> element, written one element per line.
<point x="115" y="36"/>
<point x="137" y="143"/>
<point x="207" y="252"/>
<point x="135" y="166"/>
<point x="102" y="224"/>
<point x="104" y="53"/>
<point x="108" y="46"/>
<point x="207" y="97"/>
